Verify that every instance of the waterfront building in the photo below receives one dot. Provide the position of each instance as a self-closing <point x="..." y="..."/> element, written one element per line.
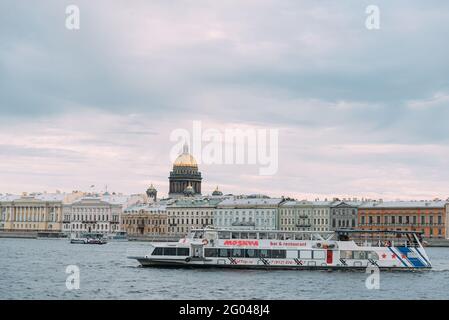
<point x="145" y="219"/>
<point x="320" y="218"/>
<point x="185" y="179"/>
<point x="295" y="215"/>
<point x="343" y="214"/>
<point x="36" y="212"/>
<point x="97" y="213"/>
<point x="446" y="223"/>
<point x="189" y="213"/>
<point x="259" y="213"/>
<point x="430" y="217"/>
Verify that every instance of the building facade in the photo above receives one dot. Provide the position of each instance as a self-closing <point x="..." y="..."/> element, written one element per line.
<point x="185" y="214"/>
<point x="34" y="212"/>
<point x="430" y="217"/>
<point x="146" y="219"/>
<point x="320" y="218"/>
<point x="96" y="213"/>
<point x="185" y="176"/>
<point x="247" y="213"/>
<point x="343" y="214"/>
<point x="447" y="219"/>
<point x="91" y="214"/>
<point x="295" y="216"/>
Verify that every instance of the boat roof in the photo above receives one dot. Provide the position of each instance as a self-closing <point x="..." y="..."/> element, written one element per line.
<point x="260" y="230"/>
<point x="376" y="231"/>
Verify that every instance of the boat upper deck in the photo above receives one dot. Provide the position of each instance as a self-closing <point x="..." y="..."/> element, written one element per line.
<point x="360" y="237"/>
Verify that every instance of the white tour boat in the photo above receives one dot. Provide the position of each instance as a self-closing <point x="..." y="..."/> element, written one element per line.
<point x="342" y="249"/>
<point x="88" y="238"/>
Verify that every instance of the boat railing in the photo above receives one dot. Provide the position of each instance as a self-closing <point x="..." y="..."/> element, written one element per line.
<point x="392" y="242"/>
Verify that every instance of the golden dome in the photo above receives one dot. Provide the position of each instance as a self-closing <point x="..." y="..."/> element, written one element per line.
<point x="185" y="159"/>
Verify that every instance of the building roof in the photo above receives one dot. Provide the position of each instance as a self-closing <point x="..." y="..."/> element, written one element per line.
<point x="148" y="207"/>
<point x="248" y="202"/>
<point x="322" y="203"/>
<point x="295" y="203"/>
<point x="350" y="203"/>
<point x="56" y="197"/>
<point x="199" y="201"/>
<point x="403" y="204"/>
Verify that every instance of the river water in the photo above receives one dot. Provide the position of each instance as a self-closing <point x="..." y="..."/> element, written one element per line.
<point x="36" y="269"/>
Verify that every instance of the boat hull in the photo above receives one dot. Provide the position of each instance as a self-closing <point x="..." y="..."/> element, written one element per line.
<point x="181" y="263"/>
<point x="89" y="241"/>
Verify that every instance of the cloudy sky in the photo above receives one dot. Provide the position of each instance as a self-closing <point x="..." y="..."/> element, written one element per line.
<point x="360" y="113"/>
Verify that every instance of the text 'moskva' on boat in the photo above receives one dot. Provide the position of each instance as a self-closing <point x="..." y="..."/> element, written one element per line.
<point x="342" y="249"/>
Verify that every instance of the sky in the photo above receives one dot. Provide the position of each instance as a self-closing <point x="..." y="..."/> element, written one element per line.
<point x="359" y="112"/>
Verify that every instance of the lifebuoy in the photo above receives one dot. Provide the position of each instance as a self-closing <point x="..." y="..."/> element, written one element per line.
<point x="188" y="259"/>
<point x="205" y="241"/>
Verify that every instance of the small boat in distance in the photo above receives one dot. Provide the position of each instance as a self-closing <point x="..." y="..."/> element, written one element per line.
<point x="89" y="238"/>
<point x="299" y="250"/>
<point x="118" y="236"/>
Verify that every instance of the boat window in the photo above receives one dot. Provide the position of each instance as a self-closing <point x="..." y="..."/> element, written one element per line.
<point x="237" y="253"/>
<point x="272" y="235"/>
<point x="169" y="252"/>
<point x="373" y="255"/>
<point x="346" y="254"/>
<point x="252" y="235"/>
<point x="318" y="254"/>
<point x="157" y="252"/>
<point x="278" y="254"/>
<point x="211" y="252"/>
<point x="235" y="235"/>
<point x="305" y="254"/>
<point x="182" y="251"/>
<point x="264" y="253"/>
<point x="225" y="253"/>
<point x="360" y="255"/>
<point x="244" y="235"/>
<point x="224" y="235"/>
<point x="251" y="253"/>
<point x="262" y="235"/>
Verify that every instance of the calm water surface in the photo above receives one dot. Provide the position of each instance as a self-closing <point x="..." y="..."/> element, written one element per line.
<point x="35" y="269"/>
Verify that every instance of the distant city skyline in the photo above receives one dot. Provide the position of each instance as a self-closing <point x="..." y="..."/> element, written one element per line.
<point x="360" y="113"/>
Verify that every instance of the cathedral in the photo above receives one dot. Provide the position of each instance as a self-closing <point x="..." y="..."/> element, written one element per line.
<point x="185" y="179"/>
